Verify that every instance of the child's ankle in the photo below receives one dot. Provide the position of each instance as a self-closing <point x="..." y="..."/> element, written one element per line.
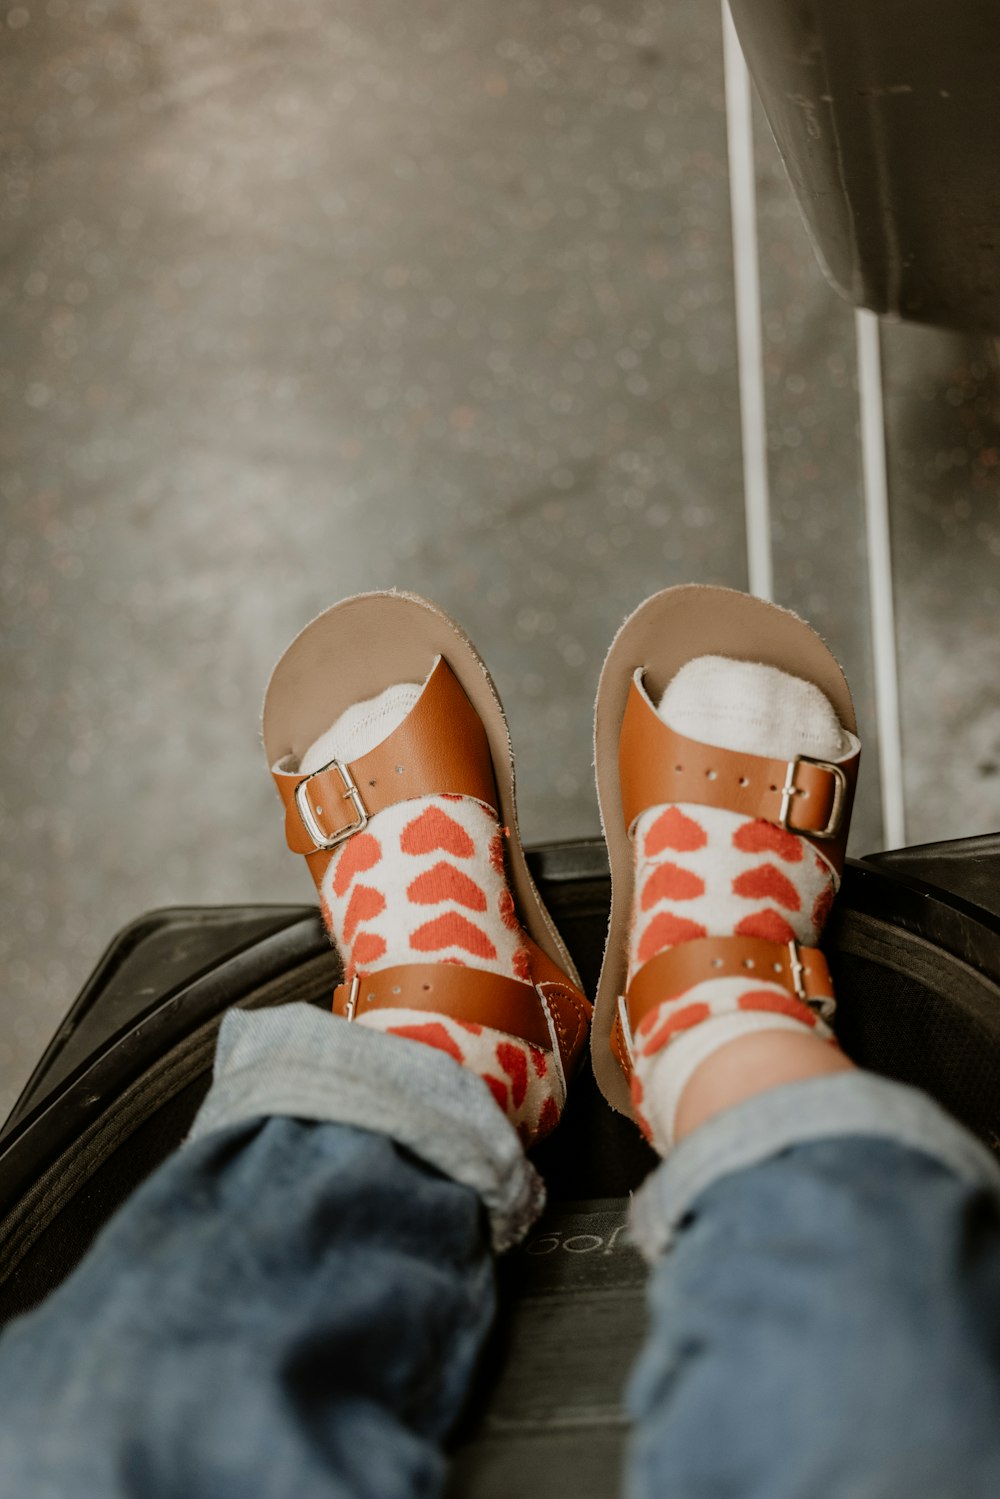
<point x="750" y="1065"/>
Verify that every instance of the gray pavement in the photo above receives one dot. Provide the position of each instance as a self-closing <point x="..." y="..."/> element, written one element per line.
<point x="303" y="301"/>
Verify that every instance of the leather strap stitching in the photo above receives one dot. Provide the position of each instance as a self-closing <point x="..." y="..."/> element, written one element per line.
<point x="618" y="1047"/>
<point x="551" y="994"/>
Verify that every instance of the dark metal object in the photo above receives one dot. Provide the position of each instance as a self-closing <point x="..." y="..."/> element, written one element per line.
<point x="885" y="116"/>
<point x="964" y="868"/>
<point x="918" y="973"/>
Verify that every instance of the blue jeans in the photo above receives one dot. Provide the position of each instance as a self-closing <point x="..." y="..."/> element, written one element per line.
<point x="294" y="1304"/>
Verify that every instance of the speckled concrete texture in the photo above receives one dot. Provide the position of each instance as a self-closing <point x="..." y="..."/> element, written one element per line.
<point x="943" y="420"/>
<point x="303" y="303"/>
<point x="303" y="300"/>
<point x="814" y="465"/>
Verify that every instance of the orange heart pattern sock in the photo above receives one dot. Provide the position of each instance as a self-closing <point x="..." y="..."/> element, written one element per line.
<point x="707" y="872"/>
<point x="425" y="882"/>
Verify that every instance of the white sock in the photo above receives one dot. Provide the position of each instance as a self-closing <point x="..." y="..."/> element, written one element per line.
<point x="361" y="727"/>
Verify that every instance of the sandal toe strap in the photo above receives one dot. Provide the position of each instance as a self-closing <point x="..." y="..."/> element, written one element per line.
<point x="802" y="795"/>
<point x="440" y="747"/>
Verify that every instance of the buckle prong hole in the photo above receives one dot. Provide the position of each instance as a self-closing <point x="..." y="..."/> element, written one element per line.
<point x="712" y="775"/>
<point x="678" y="768"/>
<point x="397" y="989"/>
<point x="744" y="781"/>
<point x="776" y="967"/>
<point x="716" y="962"/>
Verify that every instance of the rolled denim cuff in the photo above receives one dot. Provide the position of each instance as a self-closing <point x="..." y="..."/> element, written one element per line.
<point x="300" y="1061"/>
<point x="846" y="1103"/>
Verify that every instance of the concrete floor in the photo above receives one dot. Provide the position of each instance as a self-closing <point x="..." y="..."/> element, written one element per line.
<point x="295" y="304"/>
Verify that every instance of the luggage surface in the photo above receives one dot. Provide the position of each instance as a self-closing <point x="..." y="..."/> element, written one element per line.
<point x="884" y="116"/>
<point x="914" y="945"/>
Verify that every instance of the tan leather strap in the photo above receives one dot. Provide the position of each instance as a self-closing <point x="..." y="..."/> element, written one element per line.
<point x="658" y="765"/>
<point x="441" y="746"/>
<point x="476" y="997"/>
<point x="802" y="971"/>
<point x="466" y="994"/>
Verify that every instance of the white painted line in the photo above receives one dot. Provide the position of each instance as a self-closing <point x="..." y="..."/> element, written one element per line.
<point x="749" y="341"/>
<point x="883" y="615"/>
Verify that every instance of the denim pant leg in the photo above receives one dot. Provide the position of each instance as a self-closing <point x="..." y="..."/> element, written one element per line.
<point x="290" y="1305"/>
<point x="825" y="1304"/>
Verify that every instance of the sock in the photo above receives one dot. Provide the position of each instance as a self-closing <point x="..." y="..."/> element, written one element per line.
<point x="425" y="882"/>
<point x="708" y="872"/>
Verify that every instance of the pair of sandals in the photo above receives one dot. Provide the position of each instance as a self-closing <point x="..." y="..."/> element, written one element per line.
<point x="455" y="741"/>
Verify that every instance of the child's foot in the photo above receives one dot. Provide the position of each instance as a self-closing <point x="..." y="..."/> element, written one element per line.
<point x="703" y="871"/>
<point x="417" y="900"/>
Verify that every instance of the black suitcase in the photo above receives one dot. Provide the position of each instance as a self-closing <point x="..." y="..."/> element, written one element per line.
<point x="914" y="945"/>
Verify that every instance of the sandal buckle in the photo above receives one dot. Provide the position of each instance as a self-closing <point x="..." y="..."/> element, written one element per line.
<point x="797" y="969"/>
<point x="824" y="1005"/>
<point x="350" y="793"/>
<point x="789" y="790"/>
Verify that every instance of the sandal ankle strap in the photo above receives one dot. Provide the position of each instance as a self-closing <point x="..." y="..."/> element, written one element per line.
<point x="548" y="1012"/>
<point x="802" y="971"/>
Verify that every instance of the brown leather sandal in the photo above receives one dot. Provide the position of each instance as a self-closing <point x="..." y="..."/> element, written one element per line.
<point x="641" y="762"/>
<point x="455" y="740"/>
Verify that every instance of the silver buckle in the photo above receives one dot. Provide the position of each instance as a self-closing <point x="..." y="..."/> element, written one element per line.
<point x="824" y="1004"/>
<point x="789" y="790"/>
<point x="796" y="965"/>
<point x="352" y="998"/>
<point x="351" y="792"/>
